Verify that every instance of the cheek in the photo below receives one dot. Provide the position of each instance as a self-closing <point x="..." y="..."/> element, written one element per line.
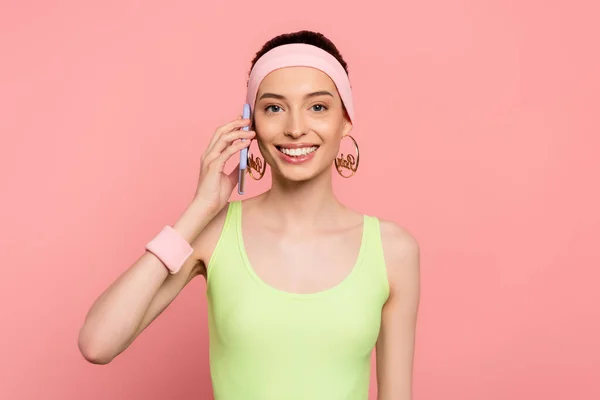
<point x="331" y="133"/>
<point x="267" y="129"/>
<point x="329" y="125"/>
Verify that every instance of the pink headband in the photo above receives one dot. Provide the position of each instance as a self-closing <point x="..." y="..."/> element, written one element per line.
<point x="301" y="55"/>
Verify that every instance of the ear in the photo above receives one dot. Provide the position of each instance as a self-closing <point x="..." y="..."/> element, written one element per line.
<point x="347" y="127"/>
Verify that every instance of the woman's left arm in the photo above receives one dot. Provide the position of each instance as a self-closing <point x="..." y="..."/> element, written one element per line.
<point x="396" y="342"/>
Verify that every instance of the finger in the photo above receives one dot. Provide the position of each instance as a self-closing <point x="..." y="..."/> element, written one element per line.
<point x="226" y="141"/>
<point x="233" y="125"/>
<point x="219" y="162"/>
<point x="228" y="138"/>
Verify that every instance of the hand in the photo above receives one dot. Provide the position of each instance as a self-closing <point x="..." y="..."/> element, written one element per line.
<point x="214" y="185"/>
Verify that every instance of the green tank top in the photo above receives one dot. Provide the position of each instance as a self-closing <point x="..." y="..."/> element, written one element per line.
<point x="268" y="344"/>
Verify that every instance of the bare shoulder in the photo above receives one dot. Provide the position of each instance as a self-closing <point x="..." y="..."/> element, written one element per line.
<point x="401" y="252"/>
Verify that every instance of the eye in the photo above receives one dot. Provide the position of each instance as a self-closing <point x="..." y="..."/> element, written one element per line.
<point x="272" y="108"/>
<point x="319" y="107"/>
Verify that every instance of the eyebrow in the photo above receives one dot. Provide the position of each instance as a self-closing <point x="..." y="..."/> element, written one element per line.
<point x="280" y="97"/>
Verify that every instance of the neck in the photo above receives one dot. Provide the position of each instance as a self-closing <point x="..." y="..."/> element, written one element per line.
<point x="302" y="205"/>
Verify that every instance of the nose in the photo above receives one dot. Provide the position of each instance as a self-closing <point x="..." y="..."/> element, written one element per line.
<point x="295" y="126"/>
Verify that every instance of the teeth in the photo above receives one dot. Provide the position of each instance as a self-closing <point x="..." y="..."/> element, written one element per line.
<point x="297" y="152"/>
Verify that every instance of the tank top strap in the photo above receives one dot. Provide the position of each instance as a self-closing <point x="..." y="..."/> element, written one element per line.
<point x="227" y="244"/>
<point x="376" y="271"/>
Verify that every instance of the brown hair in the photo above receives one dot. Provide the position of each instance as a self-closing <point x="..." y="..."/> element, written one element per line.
<point x="306" y="37"/>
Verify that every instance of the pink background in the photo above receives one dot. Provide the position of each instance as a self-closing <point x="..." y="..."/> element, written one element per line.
<point x="479" y="131"/>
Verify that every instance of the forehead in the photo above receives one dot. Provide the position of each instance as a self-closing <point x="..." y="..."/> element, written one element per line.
<point x="290" y="81"/>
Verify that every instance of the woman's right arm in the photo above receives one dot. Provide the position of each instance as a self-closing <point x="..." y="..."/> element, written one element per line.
<point x="146" y="288"/>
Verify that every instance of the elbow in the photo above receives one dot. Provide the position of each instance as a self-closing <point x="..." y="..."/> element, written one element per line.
<point x="92" y="350"/>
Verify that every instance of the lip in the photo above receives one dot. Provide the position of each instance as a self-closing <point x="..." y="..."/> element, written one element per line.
<point x="296" y="159"/>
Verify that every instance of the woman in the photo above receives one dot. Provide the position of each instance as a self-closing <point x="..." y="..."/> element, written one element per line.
<point x="300" y="288"/>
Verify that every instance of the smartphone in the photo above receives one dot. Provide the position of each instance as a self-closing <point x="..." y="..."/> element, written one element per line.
<point x="243" y="153"/>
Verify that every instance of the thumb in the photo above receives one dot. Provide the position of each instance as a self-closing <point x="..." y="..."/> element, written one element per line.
<point x="233" y="175"/>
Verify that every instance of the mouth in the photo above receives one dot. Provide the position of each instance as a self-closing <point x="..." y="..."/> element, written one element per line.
<point x="297" y="153"/>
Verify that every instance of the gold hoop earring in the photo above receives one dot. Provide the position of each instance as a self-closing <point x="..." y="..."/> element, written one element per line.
<point x="350" y="163"/>
<point x="257" y="164"/>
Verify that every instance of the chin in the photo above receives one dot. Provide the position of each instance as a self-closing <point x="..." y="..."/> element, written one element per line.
<point x="298" y="176"/>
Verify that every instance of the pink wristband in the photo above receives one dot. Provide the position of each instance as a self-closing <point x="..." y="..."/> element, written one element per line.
<point x="170" y="248"/>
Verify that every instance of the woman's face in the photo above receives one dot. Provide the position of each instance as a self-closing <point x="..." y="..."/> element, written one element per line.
<point x="299" y="121"/>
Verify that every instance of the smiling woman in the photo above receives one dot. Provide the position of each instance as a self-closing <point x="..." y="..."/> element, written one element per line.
<point x="300" y="120"/>
<point x="297" y="153"/>
<point x="300" y="287"/>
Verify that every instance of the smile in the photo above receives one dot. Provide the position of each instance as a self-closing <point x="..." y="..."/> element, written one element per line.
<point x="297" y="152"/>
